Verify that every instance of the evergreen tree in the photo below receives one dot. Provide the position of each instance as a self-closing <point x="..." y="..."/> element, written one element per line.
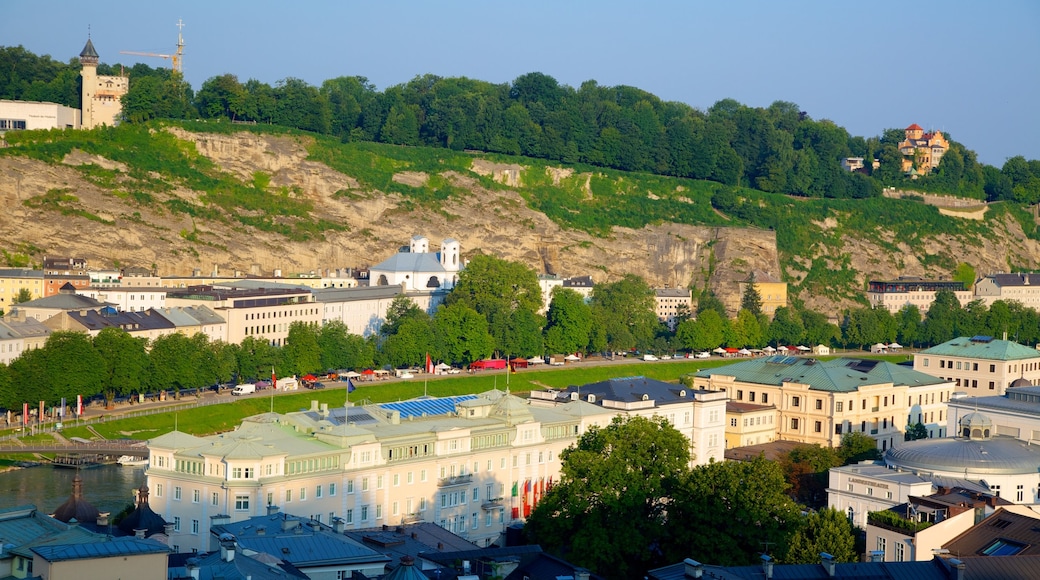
<point x="751" y="300"/>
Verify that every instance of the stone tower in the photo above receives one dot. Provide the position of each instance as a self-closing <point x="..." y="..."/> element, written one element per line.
<point x="102" y="95"/>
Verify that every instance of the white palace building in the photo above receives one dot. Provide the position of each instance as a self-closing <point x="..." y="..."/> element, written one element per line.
<point x="472" y="464"/>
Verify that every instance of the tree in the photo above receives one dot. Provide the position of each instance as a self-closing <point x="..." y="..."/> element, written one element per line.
<point x="856" y="447"/>
<point x="173" y="363"/>
<point x="621" y="476"/>
<point x="806" y="468"/>
<point x="411" y="343"/>
<point x="301" y="355"/>
<point x="496" y="288"/>
<point x="126" y="361"/>
<point x="462" y="334"/>
<point x="23" y="295"/>
<point x="568" y="322"/>
<point x="818" y="330"/>
<point x="915" y="432"/>
<point x="943" y="318"/>
<point x="725" y="512"/>
<point x="709" y="301"/>
<point x="751" y="300"/>
<point x="786" y="327"/>
<point x="256" y="357"/>
<point x="908" y="325"/>
<point x="625" y="309"/>
<point x="746" y="331"/>
<point x="401" y="308"/>
<point x="827" y="530"/>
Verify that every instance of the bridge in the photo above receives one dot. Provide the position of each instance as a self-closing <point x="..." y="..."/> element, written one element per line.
<point x="116" y="447"/>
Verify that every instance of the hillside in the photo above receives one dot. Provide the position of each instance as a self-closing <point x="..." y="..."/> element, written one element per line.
<point x="215" y="196"/>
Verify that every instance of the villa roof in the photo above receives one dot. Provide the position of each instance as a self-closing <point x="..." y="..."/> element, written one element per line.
<point x="88" y="50"/>
<point x="915" y="127"/>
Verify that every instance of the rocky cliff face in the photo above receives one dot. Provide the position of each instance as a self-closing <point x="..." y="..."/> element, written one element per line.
<point x="100" y="225"/>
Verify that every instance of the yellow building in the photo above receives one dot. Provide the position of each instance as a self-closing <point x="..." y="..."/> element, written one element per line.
<point x="820" y="401"/>
<point x="771" y="291"/>
<point x="13" y="280"/>
<point x="922" y="151"/>
<point x="749" y="424"/>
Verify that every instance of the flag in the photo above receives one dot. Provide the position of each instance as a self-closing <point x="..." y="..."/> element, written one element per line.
<point x="39" y="418"/>
<point x="429" y="364"/>
<point x="63" y="408"/>
<point x="25" y="413"/>
<point x="274" y="379"/>
<point x="515" y="492"/>
<point x="350" y="386"/>
<point x="79" y="405"/>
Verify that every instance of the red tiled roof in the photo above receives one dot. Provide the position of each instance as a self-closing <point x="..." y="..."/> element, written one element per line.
<point x="914" y="127"/>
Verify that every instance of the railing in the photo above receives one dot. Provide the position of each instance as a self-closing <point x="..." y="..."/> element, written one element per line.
<point x="492" y="504"/>
<point x="455" y="480"/>
<point x="412" y="518"/>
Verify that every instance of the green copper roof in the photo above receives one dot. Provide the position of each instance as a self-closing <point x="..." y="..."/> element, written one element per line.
<point x="983" y="347"/>
<point x="839" y="375"/>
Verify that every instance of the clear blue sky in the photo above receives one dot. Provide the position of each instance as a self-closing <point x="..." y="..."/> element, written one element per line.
<point x="971" y="69"/>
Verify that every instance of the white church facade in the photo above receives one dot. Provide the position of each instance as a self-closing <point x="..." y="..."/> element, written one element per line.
<point x="418" y="269"/>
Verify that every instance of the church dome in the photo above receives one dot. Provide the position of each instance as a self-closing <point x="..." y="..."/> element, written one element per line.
<point x="975" y="426"/>
<point x="968" y="458"/>
<point x="76" y="507"/>
<point x="1020" y="382"/>
<point x="143" y="518"/>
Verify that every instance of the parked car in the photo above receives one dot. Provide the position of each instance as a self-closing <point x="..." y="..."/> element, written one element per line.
<point x="317" y="385"/>
<point x="649" y="357"/>
<point x="666" y="357"/>
<point x="704" y="354"/>
<point x="407" y="375"/>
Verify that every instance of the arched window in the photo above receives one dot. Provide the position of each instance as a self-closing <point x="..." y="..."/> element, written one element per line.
<point x="382" y="280"/>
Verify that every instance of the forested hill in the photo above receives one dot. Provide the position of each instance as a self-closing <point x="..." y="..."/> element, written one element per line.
<point x="779" y="149"/>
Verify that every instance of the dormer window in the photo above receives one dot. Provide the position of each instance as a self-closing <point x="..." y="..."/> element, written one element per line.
<point x="592" y="398"/>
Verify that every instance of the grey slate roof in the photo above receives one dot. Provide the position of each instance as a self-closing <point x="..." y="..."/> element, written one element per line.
<point x="64" y="301"/>
<point x="88" y="51"/>
<point x="300" y="545"/>
<point x="1023" y="279"/>
<point x="129" y="321"/>
<point x="356" y="294"/>
<point x="22" y="524"/>
<point x="631" y="389"/>
<point x="110" y="548"/>
<point x="839" y="375"/>
<point x="410" y="262"/>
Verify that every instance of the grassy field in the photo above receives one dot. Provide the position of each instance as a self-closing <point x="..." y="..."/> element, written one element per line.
<point x="225" y="417"/>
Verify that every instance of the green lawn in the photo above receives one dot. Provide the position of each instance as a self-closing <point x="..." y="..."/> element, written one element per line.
<point x="225" y="417"/>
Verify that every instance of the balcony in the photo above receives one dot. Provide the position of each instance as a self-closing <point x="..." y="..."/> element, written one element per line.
<point x="491" y="504"/>
<point x="465" y="479"/>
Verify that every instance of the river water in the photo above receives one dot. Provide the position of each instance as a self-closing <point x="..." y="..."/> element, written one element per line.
<point x="109" y="488"/>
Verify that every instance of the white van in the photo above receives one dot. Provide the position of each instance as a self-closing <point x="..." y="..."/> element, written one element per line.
<point x="244" y="389"/>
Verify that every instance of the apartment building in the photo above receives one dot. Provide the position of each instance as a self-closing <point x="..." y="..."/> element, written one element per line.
<point x="819" y="401"/>
<point x="259" y="312"/>
<point x="1022" y="287"/>
<point x="669" y="303"/>
<point x="894" y="295"/>
<point x="980" y="365"/>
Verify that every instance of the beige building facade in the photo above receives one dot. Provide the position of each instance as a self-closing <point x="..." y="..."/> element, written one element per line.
<point x="749" y="424"/>
<point x="29" y="115"/>
<point x="102" y="94"/>
<point x="817" y="402"/>
<point x="980" y="365"/>
<point x="261" y="313"/>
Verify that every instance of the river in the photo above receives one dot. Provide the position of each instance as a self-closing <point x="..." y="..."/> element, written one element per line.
<point x="109" y="488"/>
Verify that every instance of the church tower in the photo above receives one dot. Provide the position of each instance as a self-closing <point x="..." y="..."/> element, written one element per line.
<point x="89" y="59"/>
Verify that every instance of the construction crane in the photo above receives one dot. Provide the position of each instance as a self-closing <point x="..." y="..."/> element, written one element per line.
<point x="176" y="59"/>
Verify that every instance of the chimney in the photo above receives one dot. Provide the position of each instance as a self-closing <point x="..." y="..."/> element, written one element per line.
<point x="272" y="509"/>
<point x="956" y="569"/>
<point x="324" y="412"/>
<point x="579" y="573"/>
<point x="314" y="406"/>
<point x="767" y="566"/>
<point x="414" y="535"/>
<point x="315" y="526"/>
<point x="288" y="524"/>
<point x="102" y="520"/>
<point x="298" y="530"/>
<point x="168" y="529"/>
<point x="692" y="568"/>
<point x="440" y="546"/>
<point x="227" y="548"/>
<point x="828" y="563"/>
<point x="339" y="525"/>
<point x="399" y="530"/>
<point x="192" y="566"/>
<point x="139" y="533"/>
<point x="386" y="528"/>
<point x="877" y="556"/>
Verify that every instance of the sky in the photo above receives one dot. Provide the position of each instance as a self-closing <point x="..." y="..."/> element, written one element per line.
<point x="968" y="68"/>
